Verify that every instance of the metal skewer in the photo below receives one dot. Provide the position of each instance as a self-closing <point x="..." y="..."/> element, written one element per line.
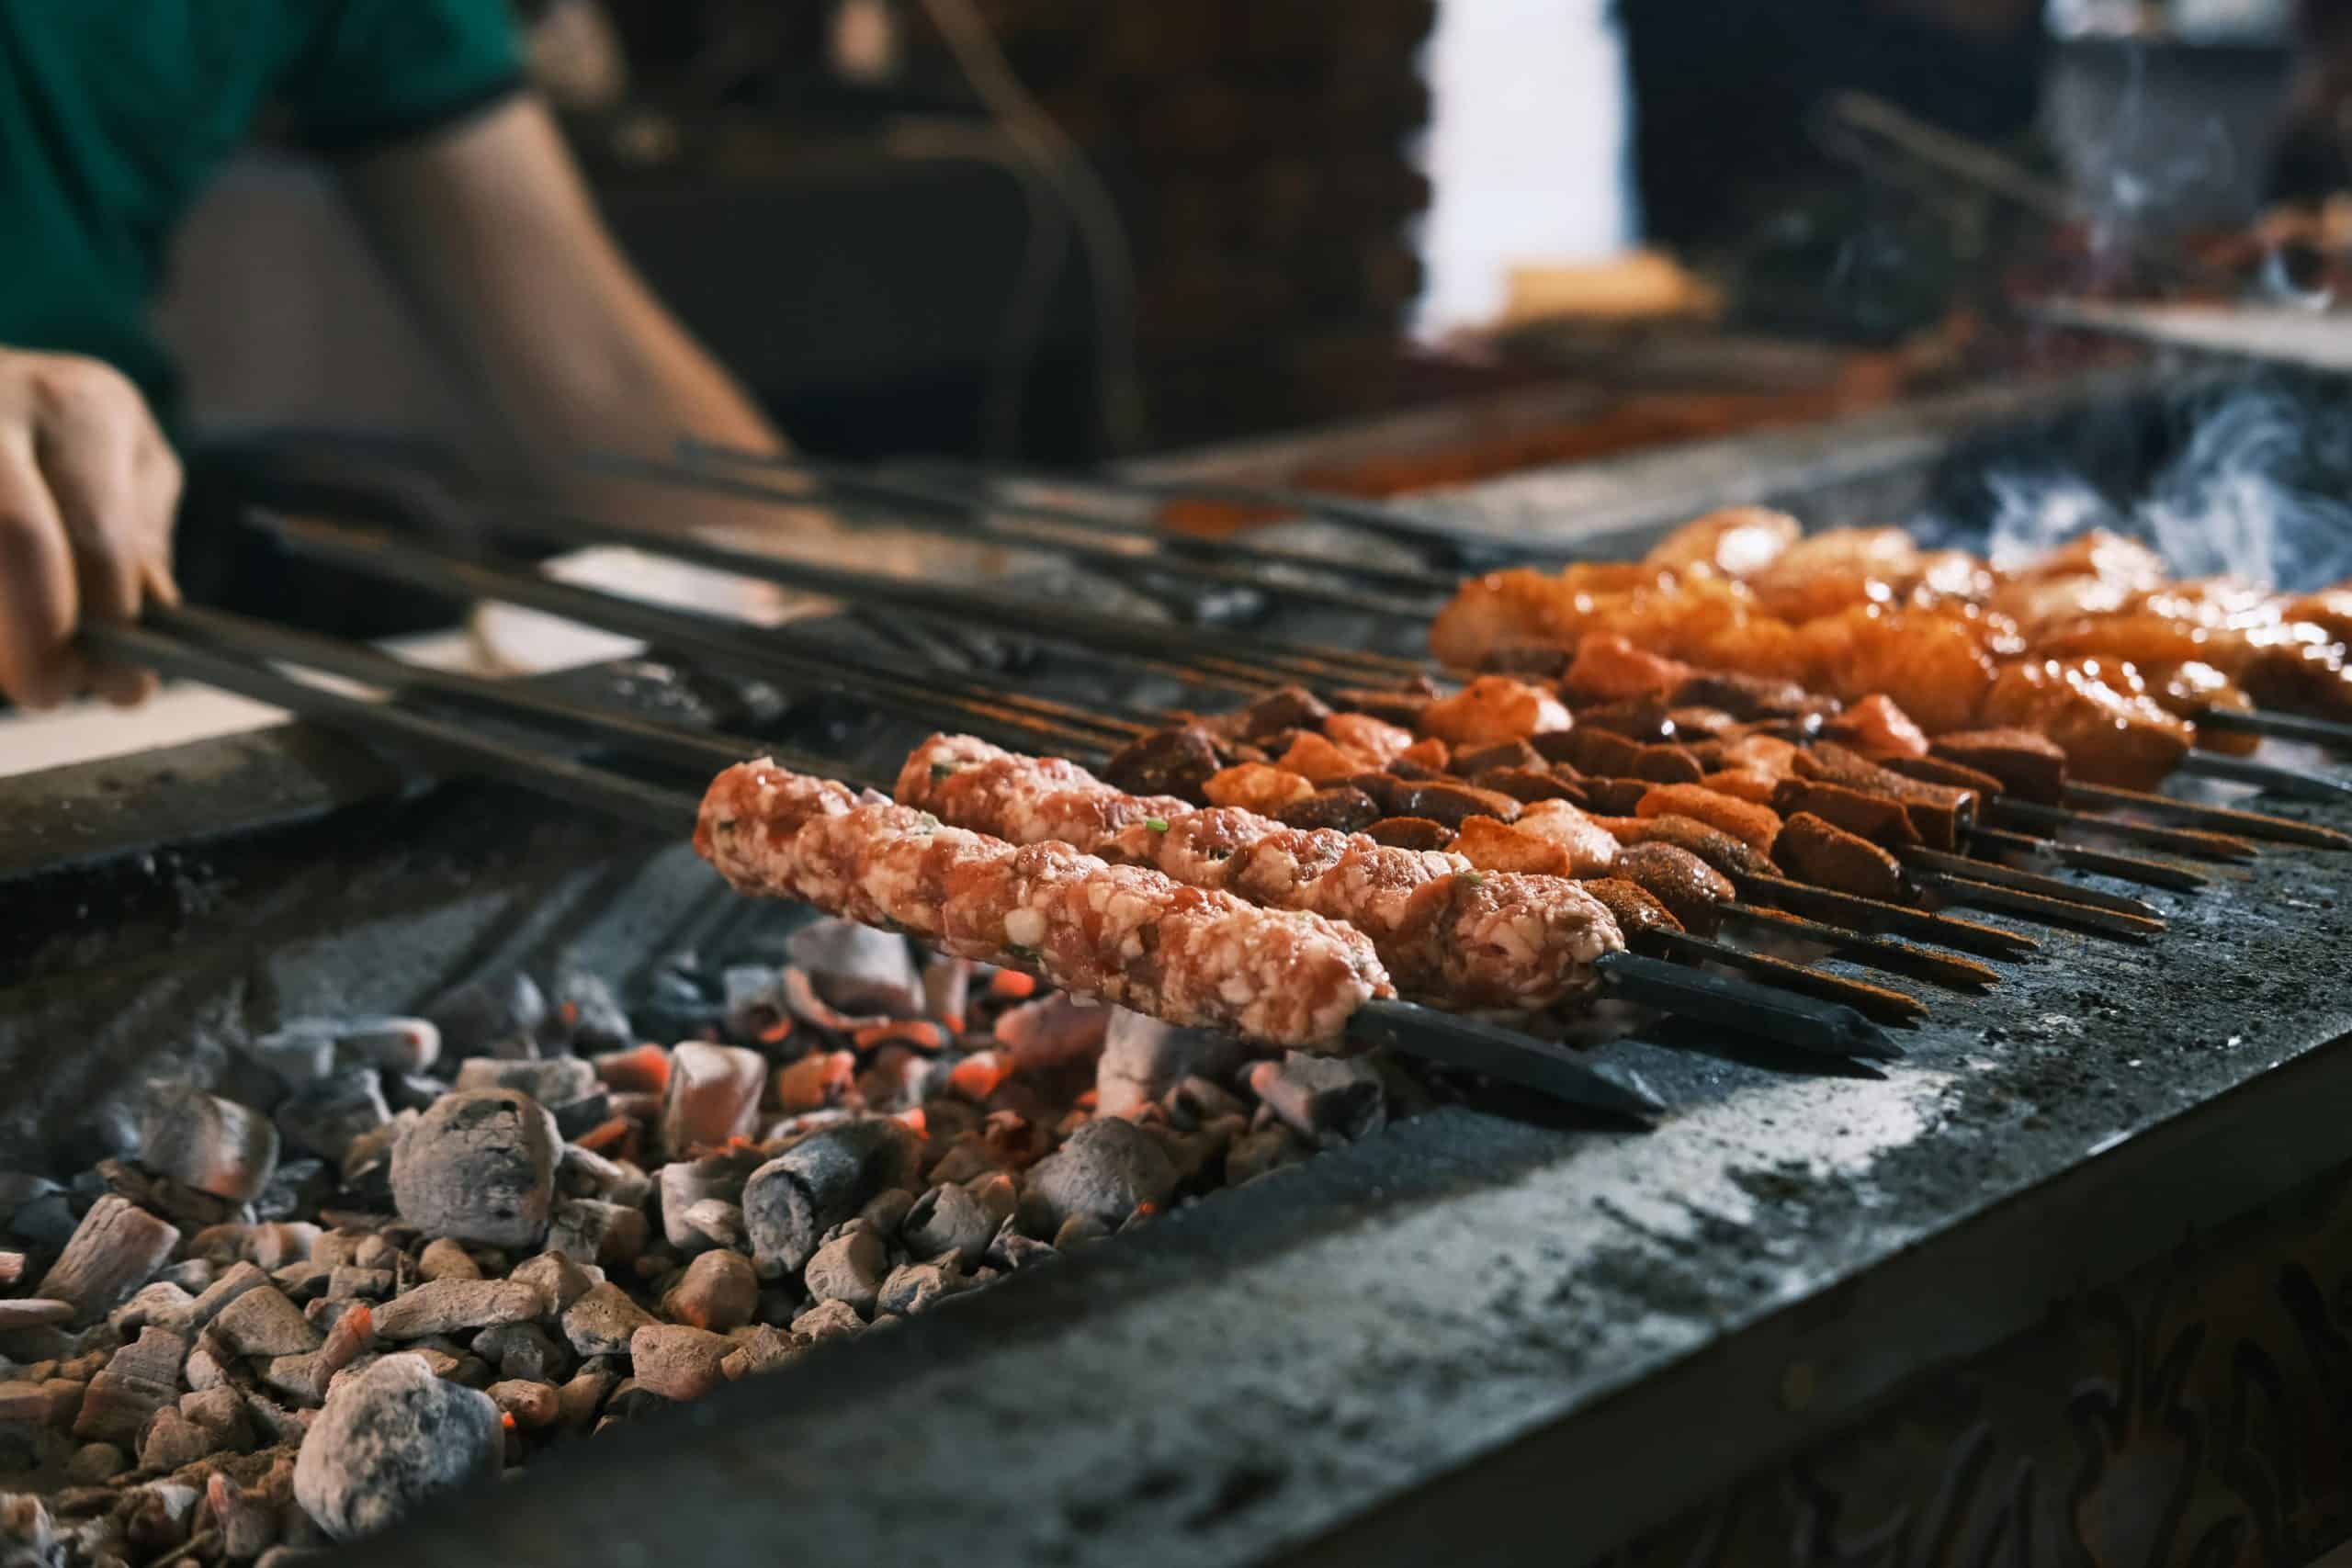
<point x="2267" y="776"/>
<point x="2277" y="725"/>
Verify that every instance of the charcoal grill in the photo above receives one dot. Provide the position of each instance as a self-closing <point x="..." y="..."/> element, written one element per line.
<point x="2068" y="1270"/>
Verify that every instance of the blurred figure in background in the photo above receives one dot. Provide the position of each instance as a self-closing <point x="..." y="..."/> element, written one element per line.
<point x="114" y="116"/>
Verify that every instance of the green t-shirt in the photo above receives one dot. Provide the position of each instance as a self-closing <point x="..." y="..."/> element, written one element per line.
<point x="115" y="113"/>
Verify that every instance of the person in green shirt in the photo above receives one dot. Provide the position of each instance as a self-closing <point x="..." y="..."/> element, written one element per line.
<point x="114" y="114"/>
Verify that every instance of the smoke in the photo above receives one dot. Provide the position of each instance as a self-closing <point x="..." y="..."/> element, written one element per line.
<point x="2259" y="487"/>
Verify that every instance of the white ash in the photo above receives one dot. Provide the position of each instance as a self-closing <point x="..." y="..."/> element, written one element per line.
<point x="480" y="1166"/>
<point x="858" y="969"/>
<point x="1106" y="1170"/>
<point x="554" y="1081"/>
<point x="1143" y="1059"/>
<point x="390" y="1437"/>
<point x="714" y="1096"/>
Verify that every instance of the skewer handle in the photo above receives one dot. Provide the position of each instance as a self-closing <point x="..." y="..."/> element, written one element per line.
<point x="1450" y="1040"/>
<point x="1727" y="1003"/>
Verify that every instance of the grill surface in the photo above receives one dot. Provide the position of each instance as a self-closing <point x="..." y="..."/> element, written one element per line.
<point x="1486" y="1331"/>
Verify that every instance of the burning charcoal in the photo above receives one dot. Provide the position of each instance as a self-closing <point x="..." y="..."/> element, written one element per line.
<point x="587" y="1016"/>
<point x="713" y="1095"/>
<point x="1203" y="1099"/>
<point x="644" y="1070"/>
<point x="532" y="1405"/>
<point x="858" y="969"/>
<point x="114" y="1249"/>
<point x="162" y="1303"/>
<point x="262" y="1322"/>
<point x="480" y="1166"/>
<point x="718" y="1291"/>
<point x="1254" y="1154"/>
<point x="849" y="1268"/>
<point x="610" y="1235"/>
<point x="792" y="1200"/>
<point x="947" y="990"/>
<point x="481" y="1016"/>
<point x="1189" y="1153"/>
<point x="390" y="1437"/>
<point x="715" y="1223"/>
<point x="522" y="1351"/>
<point x="212" y="1145"/>
<point x="445" y="1259"/>
<point x="348" y="1281"/>
<point x="1321" y="1096"/>
<point x="1012" y="1249"/>
<point x="1077" y="1231"/>
<point x="556" y="1081"/>
<point x="600" y="1323"/>
<point x="1052" y="1032"/>
<point x="827" y="1320"/>
<point x="582" y="1117"/>
<point x="1106" y="1169"/>
<point x="142" y="1377"/>
<point x="815" y="1081"/>
<point x="677" y="1361"/>
<point x="1144" y="1058"/>
<point x="296" y="1187"/>
<point x="759" y="1350"/>
<point x="917" y="1287"/>
<point x="456" y="1306"/>
<point x="949" y="1220"/>
<point x="559" y="1279"/>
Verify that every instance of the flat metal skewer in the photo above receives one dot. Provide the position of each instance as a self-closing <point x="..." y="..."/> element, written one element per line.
<point x="2267" y="776"/>
<point x="2278" y="726"/>
<point x="1889" y="955"/>
<point x="1874" y="915"/>
<point x="1877" y="1002"/>
<point x="2250" y="824"/>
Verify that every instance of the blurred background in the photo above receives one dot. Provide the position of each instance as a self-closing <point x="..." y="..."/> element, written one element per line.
<point x="1064" y="231"/>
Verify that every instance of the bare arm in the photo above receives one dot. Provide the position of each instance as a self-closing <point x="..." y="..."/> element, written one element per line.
<point x="491" y="230"/>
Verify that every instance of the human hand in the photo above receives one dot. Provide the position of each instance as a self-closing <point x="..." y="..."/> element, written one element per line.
<point x="88" y="490"/>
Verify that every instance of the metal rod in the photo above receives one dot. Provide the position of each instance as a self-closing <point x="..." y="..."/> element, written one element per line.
<point x="1450" y="1040"/>
<point x="923" y="487"/>
<point x="2269" y="776"/>
<point x="2039" y="909"/>
<point x="2002" y="875"/>
<point x="1889" y="955"/>
<point x="2251" y="824"/>
<point x="2277" y="725"/>
<point x="895" y="496"/>
<point x="2104" y="863"/>
<point x="1877" y="1002"/>
<point x="1745" y="1007"/>
<point x="754" y="651"/>
<point x="667" y="810"/>
<point x="2009" y="811"/>
<point x="1872" y="915"/>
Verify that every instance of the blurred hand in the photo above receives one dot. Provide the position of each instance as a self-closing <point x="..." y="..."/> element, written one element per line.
<point x="88" y="488"/>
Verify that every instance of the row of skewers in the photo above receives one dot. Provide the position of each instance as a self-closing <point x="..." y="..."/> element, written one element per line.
<point x="1357" y="851"/>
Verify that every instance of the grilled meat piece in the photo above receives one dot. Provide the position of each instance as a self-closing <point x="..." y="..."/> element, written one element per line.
<point x="1938" y="770"/>
<point x="1503" y="754"/>
<point x="1631" y="906"/>
<point x="1693" y="891"/>
<point x="1938" y="813"/>
<point x="1751" y="823"/>
<point x="1495" y="846"/>
<point x="1873" y="817"/>
<point x="1410" y="833"/>
<point x="1726" y="854"/>
<point x="2029" y="764"/>
<point x="1399" y="707"/>
<point x="1749" y="698"/>
<point x="1346" y="809"/>
<point x="1644" y="718"/>
<point x="2111" y="732"/>
<point x="1528" y="661"/>
<point x="1827" y="856"/>
<point x="1615" y="798"/>
<point x="1529" y="784"/>
<point x="1493" y="708"/>
<point x="1177" y="760"/>
<point x="1256" y="786"/>
<point x="1286" y="708"/>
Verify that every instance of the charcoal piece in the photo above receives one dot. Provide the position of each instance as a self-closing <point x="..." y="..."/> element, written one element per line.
<point x="1052" y="1031"/>
<point x="585" y="1015"/>
<point x="296" y="1187"/>
<point x="445" y="1259"/>
<point x="858" y="968"/>
<point x="677" y="1361"/>
<point x="753" y="996"/>
<point x="827" y="1320"/>
<point x="263" y="1322"/>
<point x="490" y="1016"/>
<point x="1077" y="1231"/>
<point x="531" y="1405"/>
<point x="1104" y="1170"/>
<point x="560" y="1278"/>
<point x="1143" y="1058"/>
<point x="160" y="1302"/>
<point x="681" y="1184"/>
<point x="480" y="1166"/>
<point x="712" y="1096"/>
<point x="719" y="1290"/>
<point x="389" y="1438"/>
<point x="553" y="1082"/>
<point x="792" y="1200"/>
<point x="715" y="1222"/>
<point x="584" y="1173"/>
<point x="114" y="1249"/>
<point x="600" y="1322"/>
<point x="850" y="1267"/>
<point x="761" y="1348"/>
<point x="523" y="1350"/>
<point x="457" y="1307"/>
<point x="1013" y="1248"/>
<point x="949" y="1220"/>
<point x="1268" y="1149"/>
<point x="610" y="1235"/>
<point x="412" y="1092"/>
<point x="203" y="1141"/>
<point x="327" y="1115"/>
<point x="141" y="1379"/>
<point x="917" y="1287"/>
<point x="578" y="1118"/>
<point x="1320" y="1095"/>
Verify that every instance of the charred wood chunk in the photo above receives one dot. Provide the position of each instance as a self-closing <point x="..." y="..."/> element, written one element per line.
<point x="117" y="1248"/>
<point x="1502" y="754"/>
<point x="212" y="1145"/>
<point x="1691" y="890"/>
<point x="1398" y="707"/>
<point x="1342" y="806"/>
<point x="480" y="1166"/>
<point x="1631" y="906"/>
<point x="790" y="1203"/>
<point x="1451" y="803"/>
<point x="1827" y="856"/>
<point x="1287" y="707"/>
<point x="1528" y="786"/>
<point x="2028" y="764"/>
<point x="1410" y="833"/>
<point x="390" y="1437"/>
<point x="1748" y="697"/>
<point x="1873" y="817"/>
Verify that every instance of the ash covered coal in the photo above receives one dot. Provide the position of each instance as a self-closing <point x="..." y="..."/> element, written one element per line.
<point x="392" y="1257"/>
